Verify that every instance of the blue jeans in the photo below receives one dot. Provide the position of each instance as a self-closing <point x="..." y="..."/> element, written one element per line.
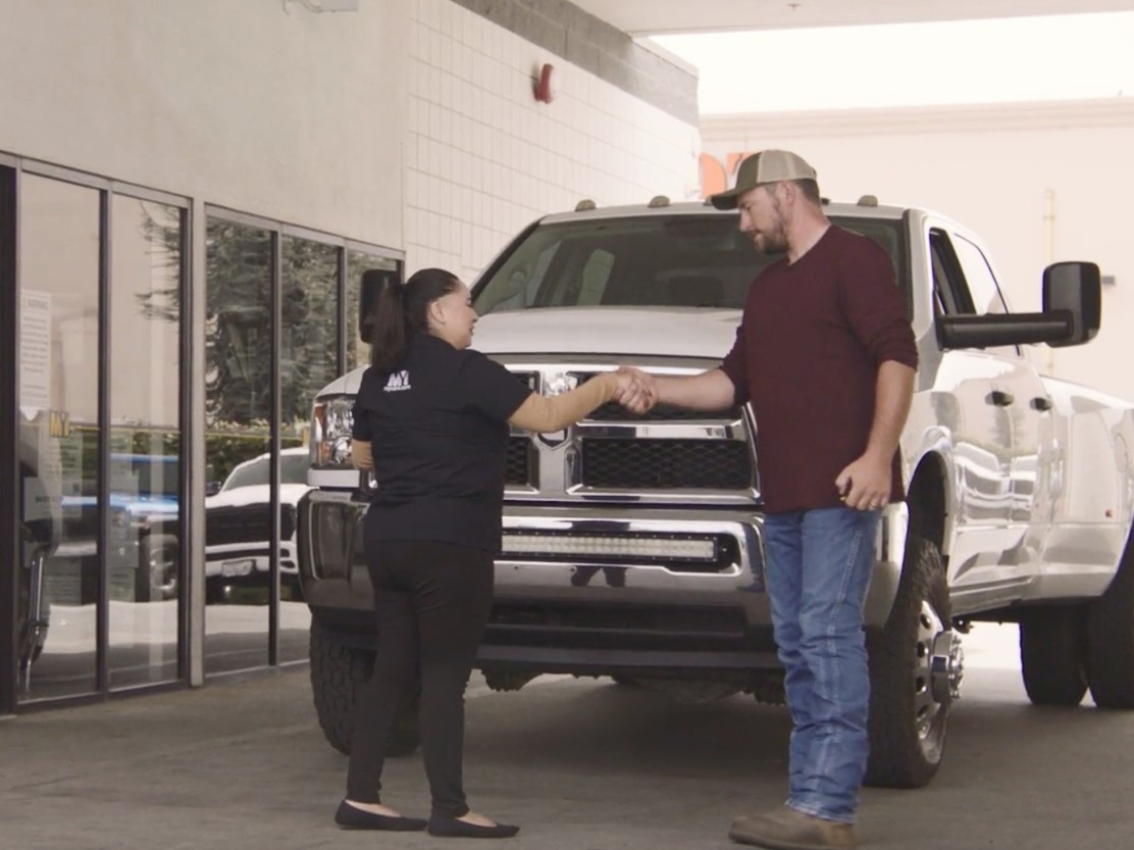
<point x="818" y="566"/>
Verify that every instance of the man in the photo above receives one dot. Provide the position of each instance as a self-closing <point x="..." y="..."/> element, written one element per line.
<point x="826" y="356"/>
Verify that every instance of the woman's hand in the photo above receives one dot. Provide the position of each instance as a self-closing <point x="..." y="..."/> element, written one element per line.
<point x="637" y="390"/>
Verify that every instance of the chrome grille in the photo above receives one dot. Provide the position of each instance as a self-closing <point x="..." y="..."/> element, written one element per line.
<point x="519" y="462"/>
<point x="246" y="524"/>
<point x="614" y="412"/>
<point x="668" y="455"/>
<point x="666" y="464"/>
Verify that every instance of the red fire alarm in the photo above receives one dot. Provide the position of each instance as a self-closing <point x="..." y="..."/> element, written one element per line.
<point x="541" y="84"/>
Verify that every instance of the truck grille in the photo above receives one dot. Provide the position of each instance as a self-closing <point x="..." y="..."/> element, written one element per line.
<point x="666" y="464"/>
<point x="668" y="455"/>
<point x="519" y="462"/>
<point x="614" y="412"/>
<point x="246" y="524"/>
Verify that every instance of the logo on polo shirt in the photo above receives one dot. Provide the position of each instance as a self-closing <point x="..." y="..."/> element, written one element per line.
<point x="397" y="382"/>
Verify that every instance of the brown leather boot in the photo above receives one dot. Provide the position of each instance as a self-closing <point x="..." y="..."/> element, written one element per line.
<point x="789" y="829"/>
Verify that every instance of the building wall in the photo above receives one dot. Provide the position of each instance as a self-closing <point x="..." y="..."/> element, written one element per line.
<point x="408" y="124"/>
<point x="1001" y="170"/>
<point x="252" y="105"/>
<point x="484" y="157"/>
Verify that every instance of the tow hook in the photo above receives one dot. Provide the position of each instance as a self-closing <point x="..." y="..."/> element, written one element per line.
<point x="946" y="667"/>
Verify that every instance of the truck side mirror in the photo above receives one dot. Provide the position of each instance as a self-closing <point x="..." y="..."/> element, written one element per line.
<point x="372" y="283"/>
<point x="1074" y="288"/>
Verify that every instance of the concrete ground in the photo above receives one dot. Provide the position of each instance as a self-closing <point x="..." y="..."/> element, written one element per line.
<point x="580" y="764"/>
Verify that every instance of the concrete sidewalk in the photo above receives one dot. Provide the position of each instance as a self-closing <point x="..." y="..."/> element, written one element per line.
<point x="580" y="764"/>
<point x="238" y="764"/>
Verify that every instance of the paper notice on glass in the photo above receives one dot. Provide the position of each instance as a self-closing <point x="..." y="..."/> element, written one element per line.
<point x="35" y="352"/>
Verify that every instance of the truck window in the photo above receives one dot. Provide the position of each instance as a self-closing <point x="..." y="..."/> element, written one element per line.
<point x="678" y="260"/>
<point x="987" y="297"/>
<point x="962" y="280"/>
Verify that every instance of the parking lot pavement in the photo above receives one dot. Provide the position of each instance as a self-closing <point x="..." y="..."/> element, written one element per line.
<point x="579" y="763"/>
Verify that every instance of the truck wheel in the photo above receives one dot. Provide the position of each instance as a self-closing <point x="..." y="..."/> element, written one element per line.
<point x="1110" y="640"/>
<point x="338" y="673"/>
<point x="915" y="669"/>
<point x="1053" y="653"/>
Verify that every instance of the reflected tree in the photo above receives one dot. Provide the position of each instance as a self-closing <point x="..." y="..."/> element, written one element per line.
<point x="238" y="319"/>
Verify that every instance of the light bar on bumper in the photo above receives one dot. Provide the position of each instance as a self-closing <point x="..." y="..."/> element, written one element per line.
<point x="610" y="546"/>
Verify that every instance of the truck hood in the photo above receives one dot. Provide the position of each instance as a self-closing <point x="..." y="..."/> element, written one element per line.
<point x="624" y="332"/>
<point x="256" y="494"/>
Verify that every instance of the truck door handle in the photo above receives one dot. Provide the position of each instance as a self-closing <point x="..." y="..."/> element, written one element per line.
<point x="999" y="398"/>
<point x="1041" y="404"/>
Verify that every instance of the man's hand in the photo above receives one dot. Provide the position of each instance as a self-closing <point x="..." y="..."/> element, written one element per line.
<point x="637" y="390"/>
<point x="865" y="484"/>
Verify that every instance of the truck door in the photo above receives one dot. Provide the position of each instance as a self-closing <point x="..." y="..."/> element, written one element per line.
<point x="1027" y="405"/>
<point x="973" y="401"/>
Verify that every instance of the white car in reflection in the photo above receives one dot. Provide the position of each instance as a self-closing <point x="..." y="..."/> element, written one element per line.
<point x="238" y="525"/>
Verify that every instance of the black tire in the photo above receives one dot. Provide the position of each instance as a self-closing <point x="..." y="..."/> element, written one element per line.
<point x="1110" y="640"/>
<point x="338" y="673"/>
<point x="907" y="728"/>
<point x="1053" y="655"/>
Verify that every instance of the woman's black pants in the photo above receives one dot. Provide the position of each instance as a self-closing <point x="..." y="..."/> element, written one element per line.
<point x="431" y="603"/>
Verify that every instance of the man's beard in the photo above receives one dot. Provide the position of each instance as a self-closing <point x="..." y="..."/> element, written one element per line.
<point x="774" y="242"/>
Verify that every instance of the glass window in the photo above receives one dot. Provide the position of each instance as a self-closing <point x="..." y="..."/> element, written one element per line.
<point x="59" y="240"/>
<point x="238" y="412"/>
<point x="358" y="352"/>
<point x="654" y="261"/>
<point x="309" y="361"/>
<point x="978" y="275"/>
<point x="144" y="561"/>
<point x="257" y="473"/>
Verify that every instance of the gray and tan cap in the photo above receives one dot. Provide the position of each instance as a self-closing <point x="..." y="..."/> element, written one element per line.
<point x="769" y="166"/>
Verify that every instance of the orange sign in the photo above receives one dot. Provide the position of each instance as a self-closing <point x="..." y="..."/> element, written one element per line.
<point x="716" y="176"/>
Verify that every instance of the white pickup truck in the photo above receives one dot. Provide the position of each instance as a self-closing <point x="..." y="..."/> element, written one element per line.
<point x="632" y="544"/>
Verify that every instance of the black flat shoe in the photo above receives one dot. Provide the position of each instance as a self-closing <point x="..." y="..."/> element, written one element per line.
<point x="454" y="828"/>
<point x="352" y="817"/>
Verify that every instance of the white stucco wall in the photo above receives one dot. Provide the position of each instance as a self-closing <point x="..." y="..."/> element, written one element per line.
<point x="409" y="124"/>
<point x="990" y="167"/>
<point x="283" y="113"/>
<point x="484" y="158"/>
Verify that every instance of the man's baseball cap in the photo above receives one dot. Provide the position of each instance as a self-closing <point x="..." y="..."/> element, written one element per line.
<point x="770" y="166"/>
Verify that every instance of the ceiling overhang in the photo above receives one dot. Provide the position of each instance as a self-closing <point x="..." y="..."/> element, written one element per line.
<point x="656" y="17"/>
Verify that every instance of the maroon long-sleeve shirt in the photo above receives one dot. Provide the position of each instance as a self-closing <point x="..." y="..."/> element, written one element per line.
<point x="807" y="354"/>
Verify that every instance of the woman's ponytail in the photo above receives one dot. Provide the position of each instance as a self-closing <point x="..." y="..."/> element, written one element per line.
<point x="388" y="328"/>
<point x="402" y="310"/>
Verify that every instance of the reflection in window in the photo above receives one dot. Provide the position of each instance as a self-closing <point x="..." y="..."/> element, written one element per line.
<point x="358" y="352"/>
<point x="59" y="429"/>
<point x="143" y="560"/>
<point x="238" y="409"/>
<point x="308" y="362"/>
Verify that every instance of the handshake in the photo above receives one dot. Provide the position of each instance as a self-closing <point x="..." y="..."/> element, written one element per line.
<point x="637" y="391"/>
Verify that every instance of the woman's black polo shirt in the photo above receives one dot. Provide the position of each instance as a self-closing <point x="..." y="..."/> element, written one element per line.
<point x="438" y="430"/>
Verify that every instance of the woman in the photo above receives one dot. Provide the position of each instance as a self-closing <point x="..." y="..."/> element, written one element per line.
<point x="431" y="420"/>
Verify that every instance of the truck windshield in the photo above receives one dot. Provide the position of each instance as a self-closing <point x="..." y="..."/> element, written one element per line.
<point x="649" y="261"/>
<point x="293" y="470"/>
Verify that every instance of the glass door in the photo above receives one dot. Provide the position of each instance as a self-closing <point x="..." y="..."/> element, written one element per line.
<point x="59" y="233"/>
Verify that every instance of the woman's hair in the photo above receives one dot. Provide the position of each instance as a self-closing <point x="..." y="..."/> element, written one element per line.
<point x="401" y="310"/>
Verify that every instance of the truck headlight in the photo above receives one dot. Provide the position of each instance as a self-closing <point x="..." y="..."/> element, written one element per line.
<point x="331" y="422"/>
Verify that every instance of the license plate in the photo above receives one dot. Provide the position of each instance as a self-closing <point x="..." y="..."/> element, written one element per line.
<point x="242" y="567"/>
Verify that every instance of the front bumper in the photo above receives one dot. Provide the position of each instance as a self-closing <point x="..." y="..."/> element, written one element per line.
<point x="594" y="612"/>
<point x="241" y="560"/>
